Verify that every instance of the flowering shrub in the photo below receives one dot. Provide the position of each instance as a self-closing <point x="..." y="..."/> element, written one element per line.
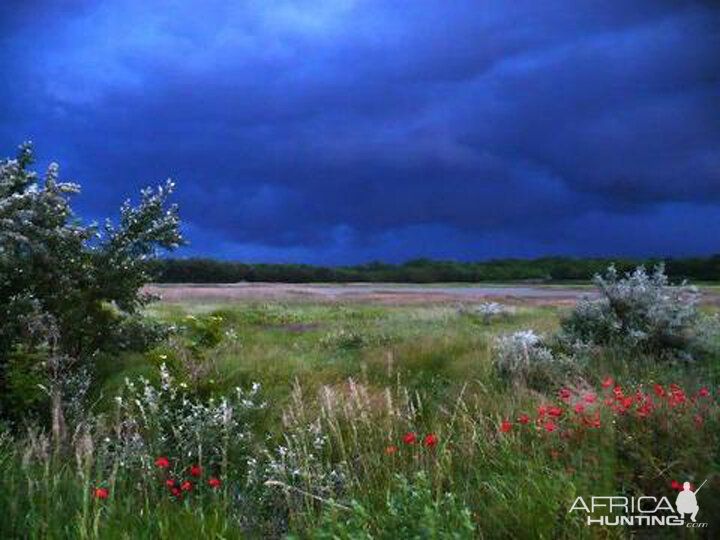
<point x="486" y="312"/>
<point x="523" y="357"/>
<point x="640" y="312"/>
<point x="166" y="421"/>
<point x="57" y="270"/>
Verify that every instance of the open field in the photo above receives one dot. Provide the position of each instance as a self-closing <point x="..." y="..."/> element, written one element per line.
<point x="387" y="293"/>
<point x="319" y="335"/>
<point x="382" y="417"/>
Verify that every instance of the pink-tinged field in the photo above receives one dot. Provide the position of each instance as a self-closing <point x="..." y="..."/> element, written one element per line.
<point x="385" y="293"/>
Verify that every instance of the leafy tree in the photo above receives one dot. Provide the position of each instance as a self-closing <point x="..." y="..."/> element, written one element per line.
<point x="66" y="287"/>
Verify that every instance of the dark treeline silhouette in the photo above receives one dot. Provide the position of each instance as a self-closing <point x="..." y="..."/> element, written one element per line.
<point x="546" y="269"/>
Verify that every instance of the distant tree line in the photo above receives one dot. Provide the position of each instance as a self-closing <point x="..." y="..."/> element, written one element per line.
<point x="546" y="269"/>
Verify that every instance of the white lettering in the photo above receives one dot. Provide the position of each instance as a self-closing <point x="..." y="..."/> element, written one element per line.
<point x="574" y="506"/>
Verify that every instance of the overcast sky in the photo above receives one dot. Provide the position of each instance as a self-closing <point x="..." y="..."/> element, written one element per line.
<point x="344" y="131"/>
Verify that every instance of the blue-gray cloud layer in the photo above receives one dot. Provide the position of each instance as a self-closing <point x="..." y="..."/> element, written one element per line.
<point x="340" y="130"/>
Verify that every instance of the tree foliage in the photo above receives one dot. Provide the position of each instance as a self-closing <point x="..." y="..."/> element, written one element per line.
<point x="62" y="278"/>
<point x="545" y="269"/>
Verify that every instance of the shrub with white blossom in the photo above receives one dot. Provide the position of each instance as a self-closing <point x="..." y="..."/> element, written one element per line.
<point x="166" y="420"/>
<point x="639" y="312"/>
<point x="72" y="284"/>
<point x="523" y="356"/>
<point x="486" y="312"/>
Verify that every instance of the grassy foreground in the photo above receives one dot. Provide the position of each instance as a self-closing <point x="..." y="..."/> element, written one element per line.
<point x="369" y="422"/>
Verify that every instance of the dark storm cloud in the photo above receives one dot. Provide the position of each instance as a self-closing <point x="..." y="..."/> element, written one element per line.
<point x="338" y="131"/>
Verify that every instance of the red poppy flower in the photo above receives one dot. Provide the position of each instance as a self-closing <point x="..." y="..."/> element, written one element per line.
<point x="506" y="426"/>
<point x="162" y="462"/>
<point x="196" y="471"/>
<point x="564" y="394"/>
<point x="555" y="412"/>
<point x="523" y="419"/>
<point x="704" y="392"/>
<point x="643" y="411"/>
<point x="175" y="491"/>
<point x="677" y="397"/>
<point x="579" y="407"/>
<point x="170" y="482"/>
<point x="214" y="482"/>
<point x="608" y="401"/>
<point x="101" y="493"/>
<point x="618" y="392"/>
<point x="627" y="402"/>
<point x="550" y="427"/>
<point x="186" y="485"/>
<point x="410" y="438"/>
<point x="589" y="398"/>
<point x="659" y="390"/>
<point x="593" y="422"/>
<point x="541" y="412"/>
<point x="391" y="450"/>
<point x="675" y="485"/>
<point x="430" y="440"/>
<point x="698" y="420"/>
<point x="608" y="382"/>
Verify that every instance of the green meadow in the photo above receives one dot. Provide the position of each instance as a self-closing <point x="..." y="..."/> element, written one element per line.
<point x="370" y="421"/>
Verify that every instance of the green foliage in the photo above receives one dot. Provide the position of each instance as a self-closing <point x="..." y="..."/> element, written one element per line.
<point x="205" y="332"/>
<point x="25" y="377"/>
<point x="138" y="333"/>
<point x="412" y="510"/>
<point x="66" y="286"/>
<point x="189" y="351"/>
<point x="352" y="339"/>
<point x="52" y="264"/>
